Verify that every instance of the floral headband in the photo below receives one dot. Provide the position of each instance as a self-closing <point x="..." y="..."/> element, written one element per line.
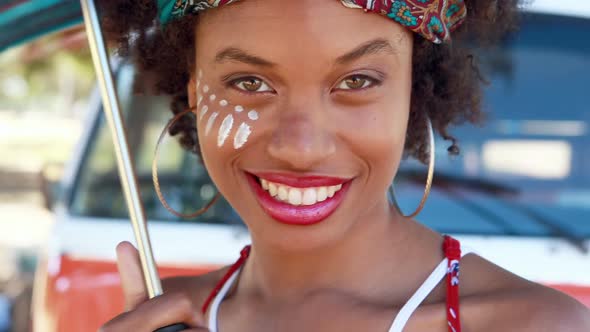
<point x="432" y="19"/>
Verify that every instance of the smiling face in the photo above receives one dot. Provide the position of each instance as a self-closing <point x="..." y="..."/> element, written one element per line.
<point x="310" y="107"/>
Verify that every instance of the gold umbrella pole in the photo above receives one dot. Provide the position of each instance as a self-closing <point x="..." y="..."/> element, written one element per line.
<point x="124" y="160"/>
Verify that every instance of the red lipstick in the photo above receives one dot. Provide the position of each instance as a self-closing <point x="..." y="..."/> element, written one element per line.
<point x="302" y="214"/>
<point x="301" y="181"/>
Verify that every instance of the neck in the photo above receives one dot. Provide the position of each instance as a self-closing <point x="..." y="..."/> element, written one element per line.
<point x="378" y="242"/>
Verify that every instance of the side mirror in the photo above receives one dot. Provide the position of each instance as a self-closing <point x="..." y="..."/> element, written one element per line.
<point x="51" y="174"/>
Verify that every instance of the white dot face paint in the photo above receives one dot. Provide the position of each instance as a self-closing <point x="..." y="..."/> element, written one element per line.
<point x="203" y="112"/>
<point x="224" y="130"/>
<point x="207" y="101"/>
<point x="253" y="115"/>
<point x="242" y="135"/>
<point x="210" y="123"/>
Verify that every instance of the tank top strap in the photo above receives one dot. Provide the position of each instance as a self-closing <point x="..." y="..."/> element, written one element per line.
<point x="230" y="272"/>
<point x="448" y="267"/>
<point x="452" y="249"/>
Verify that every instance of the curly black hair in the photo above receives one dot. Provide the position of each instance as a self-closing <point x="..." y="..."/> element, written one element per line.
<point x="447" y="83"/>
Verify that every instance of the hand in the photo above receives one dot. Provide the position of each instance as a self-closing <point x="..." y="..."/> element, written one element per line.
<point x="143" y="314"/>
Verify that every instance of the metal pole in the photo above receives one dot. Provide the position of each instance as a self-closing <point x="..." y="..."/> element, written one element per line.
<point x="124" y="159"/>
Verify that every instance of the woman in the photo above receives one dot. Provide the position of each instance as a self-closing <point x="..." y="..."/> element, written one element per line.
<point x="301" y="112"/>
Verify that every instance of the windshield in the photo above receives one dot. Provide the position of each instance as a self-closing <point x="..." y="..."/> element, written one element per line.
<point x="523" y="173"/>
<point x="183" y="179"/>
<point x="535" y="143"/>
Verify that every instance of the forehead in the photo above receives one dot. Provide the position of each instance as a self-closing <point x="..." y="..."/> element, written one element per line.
<point x="294" y="29"/>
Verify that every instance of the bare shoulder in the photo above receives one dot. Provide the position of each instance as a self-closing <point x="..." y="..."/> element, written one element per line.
<point x="196" y="288"/>
<point x="494" y="299"/>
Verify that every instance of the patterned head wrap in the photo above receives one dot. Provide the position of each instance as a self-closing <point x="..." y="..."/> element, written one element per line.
<point x="432" y="19"/>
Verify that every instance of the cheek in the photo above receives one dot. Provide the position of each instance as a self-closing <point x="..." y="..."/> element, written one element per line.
<point x="380" y="128"/>
<point x="377" y="136"/>
<point x="224" y="127"/>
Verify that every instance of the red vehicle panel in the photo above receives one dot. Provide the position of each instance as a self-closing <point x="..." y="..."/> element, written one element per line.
<point x="92" y="285"/>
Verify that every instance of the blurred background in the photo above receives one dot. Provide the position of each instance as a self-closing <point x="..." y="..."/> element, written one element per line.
<point x="44" y="89"/>
<point x="519" y="192"/>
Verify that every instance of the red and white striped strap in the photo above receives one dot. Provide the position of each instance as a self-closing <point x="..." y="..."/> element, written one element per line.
<point x="452" y="250"/>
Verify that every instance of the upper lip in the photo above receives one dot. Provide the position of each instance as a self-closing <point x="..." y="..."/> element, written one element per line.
<point x="300" y="181"/>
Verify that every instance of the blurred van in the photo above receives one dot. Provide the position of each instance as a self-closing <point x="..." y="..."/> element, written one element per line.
<point x="519" y="193"/>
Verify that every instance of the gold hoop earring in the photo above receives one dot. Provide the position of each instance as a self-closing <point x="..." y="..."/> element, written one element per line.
<point x="157" y="182"/>
<point x="428" y="179"/>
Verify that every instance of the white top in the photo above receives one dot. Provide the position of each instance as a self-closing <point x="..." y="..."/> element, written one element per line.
<point x="400" y="320"/>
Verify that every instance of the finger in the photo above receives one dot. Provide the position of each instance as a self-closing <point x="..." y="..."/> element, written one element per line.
<point x="169" y="309"/>
<point x="132" y="282"/>
<point x="161" y="311"/>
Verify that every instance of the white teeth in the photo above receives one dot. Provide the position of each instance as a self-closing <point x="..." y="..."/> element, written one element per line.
<point x="272" y="189"/>
<point x="309" y="196"/>
<point x="294" y="196"/>
<point x="331" y="191"/>
<point x="322" y="194"/>
<point x="283" y="193"/>
<point x="299" y="196"/>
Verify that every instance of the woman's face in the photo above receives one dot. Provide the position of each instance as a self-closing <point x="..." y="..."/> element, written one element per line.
<point x="302" y="111"/>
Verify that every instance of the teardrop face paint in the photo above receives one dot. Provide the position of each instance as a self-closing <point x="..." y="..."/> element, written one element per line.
<point x="207" y="101"/>
<point x="210" y="123"/>
<point x="224" y="130"/>
<point x="242" y="135"/>
<point x="204" y="110"/>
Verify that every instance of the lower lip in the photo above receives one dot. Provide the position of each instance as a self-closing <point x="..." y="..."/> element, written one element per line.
<point x="303" y="215"/>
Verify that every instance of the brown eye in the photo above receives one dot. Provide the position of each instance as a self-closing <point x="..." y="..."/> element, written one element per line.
<point x="355" y="82"/>
<point x="252" y="84"/>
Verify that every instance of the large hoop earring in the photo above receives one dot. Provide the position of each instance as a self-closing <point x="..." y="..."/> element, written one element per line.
<point x="157" y="182"/>
<point x="428" y="179"/>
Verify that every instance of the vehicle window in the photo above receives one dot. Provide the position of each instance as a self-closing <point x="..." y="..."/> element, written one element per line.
<point x="184" y="181"/>
<point x="526" y="171"/>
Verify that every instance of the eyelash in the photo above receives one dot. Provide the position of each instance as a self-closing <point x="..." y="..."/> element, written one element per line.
<point x="234" y="84"/>
<point x="373" y="82"/>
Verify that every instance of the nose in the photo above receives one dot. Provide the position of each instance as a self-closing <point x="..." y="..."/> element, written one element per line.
<point x="302" y="139"/>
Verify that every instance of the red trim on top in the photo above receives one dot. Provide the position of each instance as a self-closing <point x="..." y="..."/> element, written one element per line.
<point x="243" y="256"/>
<point x="452" y="250"/>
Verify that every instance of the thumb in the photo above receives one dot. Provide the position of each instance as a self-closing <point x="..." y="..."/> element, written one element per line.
<point x="131" y="274"/>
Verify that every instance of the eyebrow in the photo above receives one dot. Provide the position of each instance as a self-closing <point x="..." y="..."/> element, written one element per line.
<point x="371" y="47"/>
<point x="236" y="54"/>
